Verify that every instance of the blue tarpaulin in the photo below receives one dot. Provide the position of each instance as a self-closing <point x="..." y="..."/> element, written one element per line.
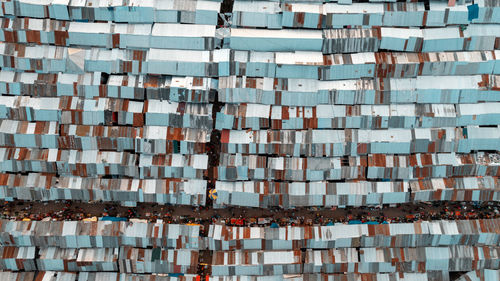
<point x="274" y="225"/>
<point x="112" y="219"/>
<point x="330" y="223"/>
<point x="473" y="11"/>
<point x="371" y="222"/>
<point x="355" y="222"/>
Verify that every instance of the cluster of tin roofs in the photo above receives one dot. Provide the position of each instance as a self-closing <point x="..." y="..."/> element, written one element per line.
<point x="278" y="103"/>
<point x="70" y="251"/>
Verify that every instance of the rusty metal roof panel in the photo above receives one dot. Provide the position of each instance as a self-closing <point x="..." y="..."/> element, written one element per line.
<point x="302" y="15"/>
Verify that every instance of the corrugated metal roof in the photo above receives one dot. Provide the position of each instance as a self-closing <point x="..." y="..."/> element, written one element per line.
<point x="317" y="103"/>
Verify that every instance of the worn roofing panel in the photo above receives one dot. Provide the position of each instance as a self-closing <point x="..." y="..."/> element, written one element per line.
<point x="325" y="104"/>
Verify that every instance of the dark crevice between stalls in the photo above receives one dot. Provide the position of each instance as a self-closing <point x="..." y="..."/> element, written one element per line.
<point x="104" y="78"/>
<point x="213" y="150"/>
<point x="204" y="263"/>
<point x="359" y="251"/>
<point x="455" y="275"/>
<point x="226" y="7"/>
<point x="303" y="255"/>
<point x="427" y="5"/>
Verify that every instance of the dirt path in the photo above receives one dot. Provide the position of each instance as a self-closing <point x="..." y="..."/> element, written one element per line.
<point x="183" y="214"/>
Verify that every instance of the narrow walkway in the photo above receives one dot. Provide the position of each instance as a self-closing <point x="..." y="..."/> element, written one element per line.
<point x="206" y="215"/>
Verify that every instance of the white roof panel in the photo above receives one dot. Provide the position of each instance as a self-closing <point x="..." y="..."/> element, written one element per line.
<point x="183" y="30"/>
<point x="89" y="27"/>
<point x="282" y="33"/>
